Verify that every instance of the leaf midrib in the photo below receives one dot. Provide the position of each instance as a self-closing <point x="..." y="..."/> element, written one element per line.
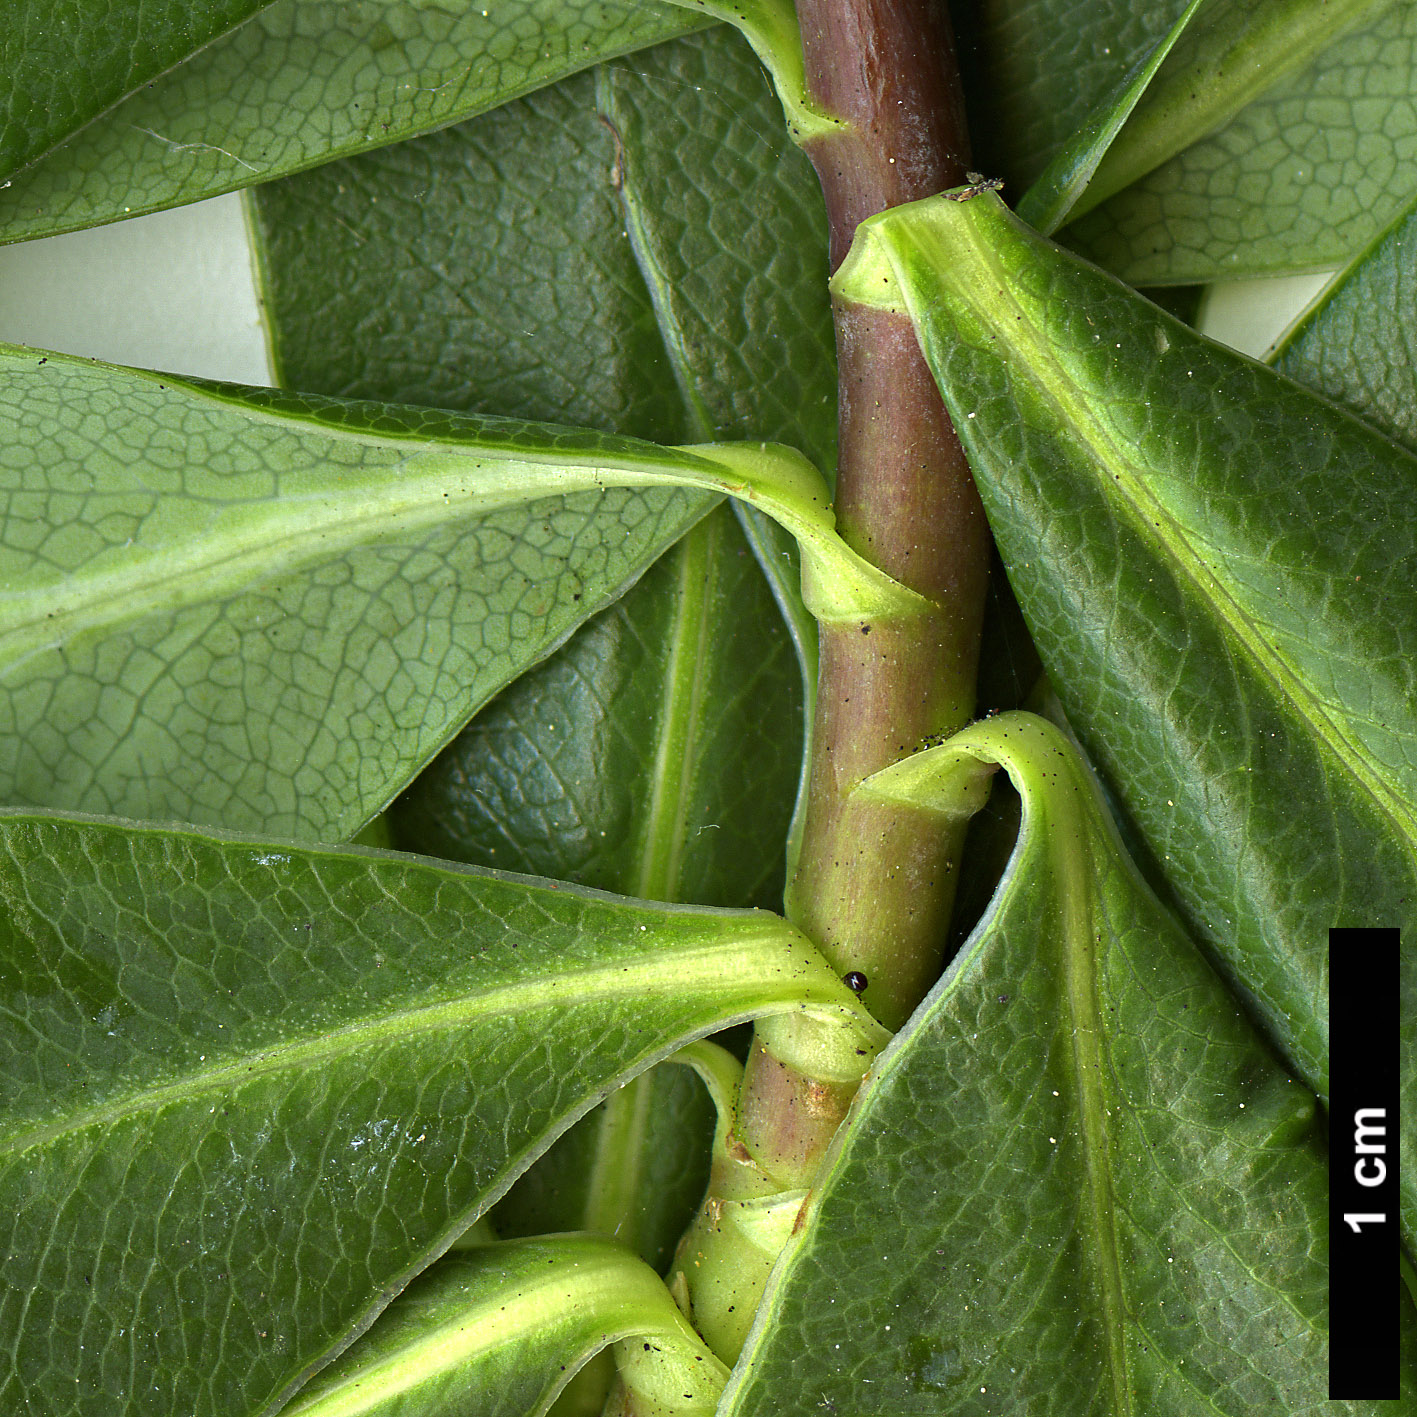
<point x="577" y="1291"/>
<point x="658" y="284"/>
<point x="506" y="1315"/>
<point x="616" y="1175"/>
<point x="1177" y="550"/>
<point x="680" y="719"/>
<point x="262" y="544"/>
<point x="1085" y="1020"/>
<point x="709" y="969"/>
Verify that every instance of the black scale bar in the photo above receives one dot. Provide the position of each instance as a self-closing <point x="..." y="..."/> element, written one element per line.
<point x="1364" y="1277"/>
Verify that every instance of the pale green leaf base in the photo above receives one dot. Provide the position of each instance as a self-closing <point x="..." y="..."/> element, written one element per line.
<point x="499" y="1331"/>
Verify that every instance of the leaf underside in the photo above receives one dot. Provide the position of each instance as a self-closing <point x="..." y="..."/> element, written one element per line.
<point x="269" y="615"/>
<point x="531" y="300"/>
<point x="1077" y="1181"/>
<point x="1089" y="1183"/>
<point x="252" y="1088"/>
<point x="498" y="1331"/>
<point x="306" y="81"/>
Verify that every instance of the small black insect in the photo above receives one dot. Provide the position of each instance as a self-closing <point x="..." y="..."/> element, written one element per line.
<point x="855" y="981"/>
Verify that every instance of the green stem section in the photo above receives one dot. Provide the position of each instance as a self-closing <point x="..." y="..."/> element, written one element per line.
<point x="752" y="1205"/>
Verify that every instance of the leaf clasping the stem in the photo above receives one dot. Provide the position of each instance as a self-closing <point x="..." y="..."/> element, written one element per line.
<point x="194" y="591"/>
<point x="1174" y="514"/>
<point x="502" y="1328"/>
<point x="1079" y="1188"/>
<point x="771" y="27"/>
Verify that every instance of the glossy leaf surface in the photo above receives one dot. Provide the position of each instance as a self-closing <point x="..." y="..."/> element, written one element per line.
<point x="1356" y="348"/>
<point x="1077" y="1181"/>
<point x="729" y="230"/>
<point x="636" y="1168"/>
<point x="507" y="238"/>
<point x="1302" y="178"/>
<point x="498" y="1331"/>
<point x="1072" y="172"/>
<point x="251" y="1089"/>
<point x="302" y="83"/>
<point x="640" y="250"/>
<point x="1218" y="570"/>
<point x="1036" y="71"/>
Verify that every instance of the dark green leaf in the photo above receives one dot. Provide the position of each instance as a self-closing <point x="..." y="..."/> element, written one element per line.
<point x="1182" y="301"/>
<point x="635" y="1168"/>
<point x="529" y="298"/>
<point x="1077" y="1181"/>
<point x="1217" y="567"/>
<point x="303" y="82"/>
<point x="729" y="230"/>
<point x="564" y="260"/>
<point x="1356" y="345"/>
<point x="637" y="249"/>
<point x="250" y="1089"/>
<point x="504" y="240"/>
<point x="1037" y="70"/>
<point x="726" y="220"/>
<point x="648" y="756"/>
<point x="1059" y="188"/>
<point x="657" y="753"/>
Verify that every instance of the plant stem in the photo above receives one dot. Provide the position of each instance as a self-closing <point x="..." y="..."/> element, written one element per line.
<point x="874" y="881"/>
<point x="874" y="886"/>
